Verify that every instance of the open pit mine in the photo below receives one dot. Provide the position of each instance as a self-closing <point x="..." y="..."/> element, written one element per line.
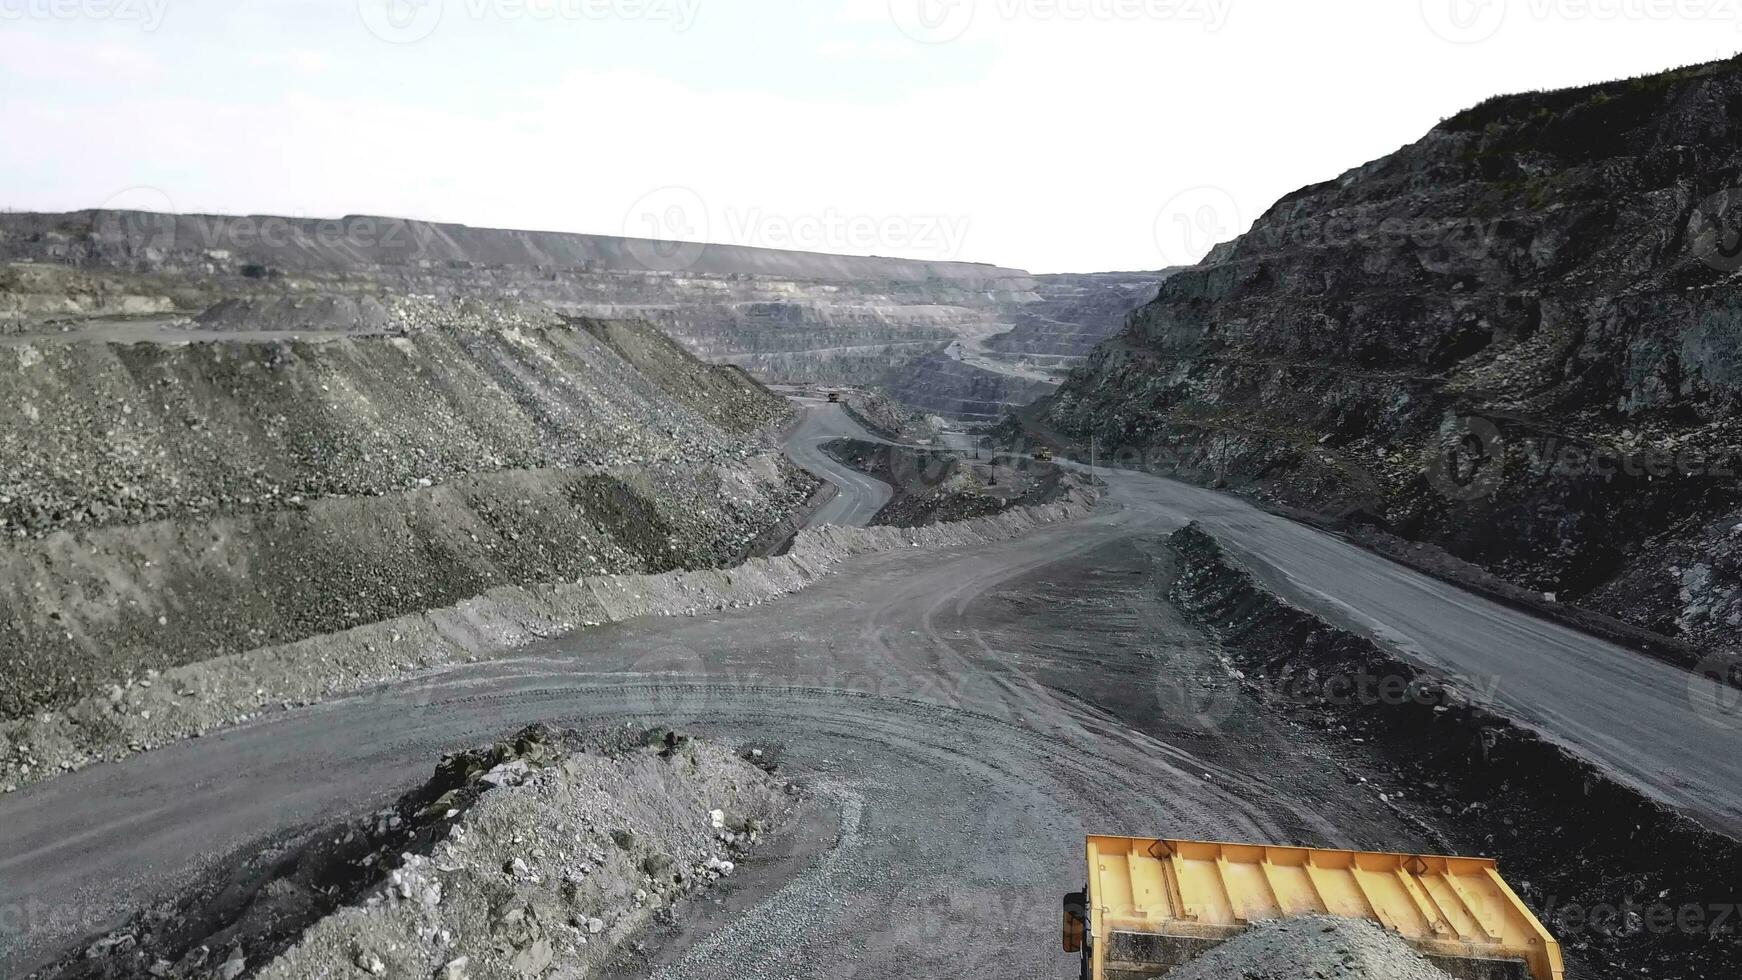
<point x="381" y="598"/>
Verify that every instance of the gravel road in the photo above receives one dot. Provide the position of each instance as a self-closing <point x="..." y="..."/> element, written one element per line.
<point x="1670" y="733"/>
<point x="902" y="691"/>
<point x="967" y="714"/>
<point x="861" y="496"/>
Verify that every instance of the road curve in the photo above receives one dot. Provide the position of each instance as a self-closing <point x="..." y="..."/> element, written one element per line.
<point x="861" y="496"/>
<point x="970" y="712"/>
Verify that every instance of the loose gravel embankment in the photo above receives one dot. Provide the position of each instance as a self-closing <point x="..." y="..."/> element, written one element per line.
<point x="885" y="417"/>
<point x="1620" y="878"/>
<point x="191" y="700"/>
<point x="163" y="504"/>
<point x="543" y="852"/>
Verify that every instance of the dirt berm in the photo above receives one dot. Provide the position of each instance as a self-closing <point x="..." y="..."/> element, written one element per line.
<point x="382" y="658"/>
<point x="934" y="486"/>
<point x="163" y="504"/>
<point x="540" y="854"/>
<point x="1622" y="880"/>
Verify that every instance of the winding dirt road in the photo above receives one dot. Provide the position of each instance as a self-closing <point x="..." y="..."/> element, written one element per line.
<point x="965" y="715"/>
<point x="861" y="496"/>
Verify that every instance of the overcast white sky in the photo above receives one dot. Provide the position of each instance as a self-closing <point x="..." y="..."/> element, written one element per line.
<point x="1054" y="135"/>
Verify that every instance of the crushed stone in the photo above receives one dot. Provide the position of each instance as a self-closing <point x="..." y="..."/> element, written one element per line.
<point x="540" y="854"/>
<point x="1317" y="947"/>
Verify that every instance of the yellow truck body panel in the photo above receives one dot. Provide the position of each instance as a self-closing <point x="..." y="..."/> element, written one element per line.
<point x="1194" y="893"/>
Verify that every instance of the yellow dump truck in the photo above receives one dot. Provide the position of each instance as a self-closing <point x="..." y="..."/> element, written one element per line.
<point x="834" y="398"/>
<point x="1043" y="454"/>
<point x="1151" y="905"/>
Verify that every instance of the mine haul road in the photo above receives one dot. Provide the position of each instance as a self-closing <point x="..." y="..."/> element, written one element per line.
<point x="963" y="716"/>
<point x="861" y="496"/>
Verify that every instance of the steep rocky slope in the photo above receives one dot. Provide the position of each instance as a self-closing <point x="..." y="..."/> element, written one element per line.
<point x="167" y="503"/>
<point x="941" y="384"/>
<point x="1077" y="311"/>
<point x="1519" y="338"/>
<point x="982" y="377"/>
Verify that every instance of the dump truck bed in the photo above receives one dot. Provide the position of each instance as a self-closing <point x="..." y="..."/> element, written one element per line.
<point x="1153" y="904"/>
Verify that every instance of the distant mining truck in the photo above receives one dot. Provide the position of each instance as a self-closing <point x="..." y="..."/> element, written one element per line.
<point x="1043" y="454"/>
<point x="1151" y="905"/>
<point x="834" y="398"/>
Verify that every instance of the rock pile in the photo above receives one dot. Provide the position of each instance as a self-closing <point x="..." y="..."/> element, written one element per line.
<point x="1325" y="949"/>
<point x="538" y="853"/>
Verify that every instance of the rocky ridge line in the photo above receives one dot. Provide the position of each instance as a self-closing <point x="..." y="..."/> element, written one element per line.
<point x="1514" y="339"/>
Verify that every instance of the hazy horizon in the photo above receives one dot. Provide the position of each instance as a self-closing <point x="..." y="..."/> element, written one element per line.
<point x="1047" y="135"/>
